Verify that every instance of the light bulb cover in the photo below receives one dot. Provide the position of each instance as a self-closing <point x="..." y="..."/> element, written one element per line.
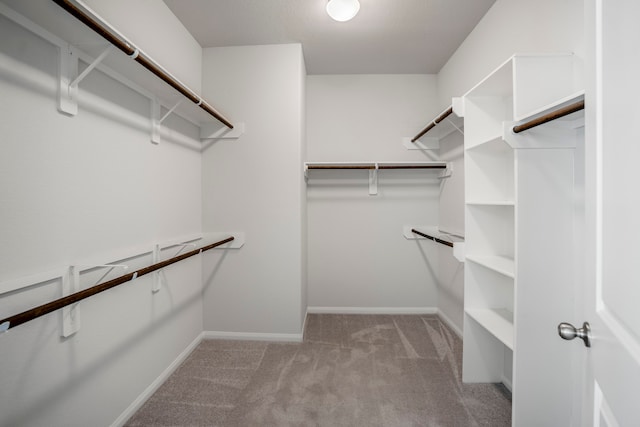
<point x="343" y="10"/>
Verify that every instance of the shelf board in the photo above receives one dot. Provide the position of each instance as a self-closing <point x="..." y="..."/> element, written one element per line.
<point x="497" y="263"/>
<point x="563" y="102"/>
<point x="491" y="203"/>
<point x="498" y="321"/>
<point x="53" y="24"/>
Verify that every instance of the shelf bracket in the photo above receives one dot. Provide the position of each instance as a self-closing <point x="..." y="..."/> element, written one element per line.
<point x="157" y="275"/>
<point x="70" y="285"/>
<point x="71" y="313"/>
<point x="455" y="127"/>
<point x="156" y="120"/>
<point x="373" y="181"/>
<point x="91" y="66"/>
<point x="68" y="67"/>
<point x="448" y="172"/>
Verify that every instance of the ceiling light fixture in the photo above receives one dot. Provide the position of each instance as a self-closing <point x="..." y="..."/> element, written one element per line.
<point x="343" y="10"/>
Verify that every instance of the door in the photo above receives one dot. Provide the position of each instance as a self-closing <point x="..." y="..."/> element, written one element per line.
<point x="612" y="304"/>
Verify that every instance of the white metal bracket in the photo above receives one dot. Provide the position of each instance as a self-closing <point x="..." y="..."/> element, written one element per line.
<point x="68" y="69"/>
<point x="158" y="275"/>
<point x="156" y="120"/>
<point x="455" y="126"/>
<point x="70" y="285"/>
<point x="70" y="313"/>
<point x="447" y="172"/>
<point x="373" y="181"/>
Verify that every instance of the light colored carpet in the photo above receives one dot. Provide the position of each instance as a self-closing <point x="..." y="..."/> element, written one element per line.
<point x="351" y="370"/>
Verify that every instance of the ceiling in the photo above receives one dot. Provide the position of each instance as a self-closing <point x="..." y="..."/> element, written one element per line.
<point x="386" y="37"/>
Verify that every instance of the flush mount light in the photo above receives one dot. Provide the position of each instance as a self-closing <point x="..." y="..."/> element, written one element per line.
<point x="343" y="10"/>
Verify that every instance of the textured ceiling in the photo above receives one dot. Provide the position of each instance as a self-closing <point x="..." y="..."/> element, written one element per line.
<point x="386" y="37"/>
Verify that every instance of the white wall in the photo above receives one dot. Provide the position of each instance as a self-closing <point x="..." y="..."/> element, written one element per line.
<point x="509" y="27"/>
<point x="254" y="184"/>
<point x="358" y="258"/>
<point x="89" y="188"/>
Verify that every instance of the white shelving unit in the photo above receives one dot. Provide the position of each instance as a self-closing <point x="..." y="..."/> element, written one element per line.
<point x="519" y="215"/>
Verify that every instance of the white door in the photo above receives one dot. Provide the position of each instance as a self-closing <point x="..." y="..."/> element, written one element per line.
<point x="612" y="288"/>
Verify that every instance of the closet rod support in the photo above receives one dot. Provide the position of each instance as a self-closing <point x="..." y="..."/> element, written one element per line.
<point x="168" y="113"/>
<point x="91" y="66"/>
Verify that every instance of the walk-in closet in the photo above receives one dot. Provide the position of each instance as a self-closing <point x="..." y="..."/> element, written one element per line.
<point x="318" y="213"/>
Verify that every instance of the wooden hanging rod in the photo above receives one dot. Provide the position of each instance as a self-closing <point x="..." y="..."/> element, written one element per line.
<point x="146" y="62"/>
<point x="435" y="239"/>
<point x="341" y="166"/>
<point x="436" y="166"/>
<point x="565" y="111"/>
<point x="433" y="124"/>
<point x="380" y="166"/>
<point x="34" y="313"/>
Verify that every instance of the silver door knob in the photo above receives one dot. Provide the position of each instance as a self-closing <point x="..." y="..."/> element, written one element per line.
<point x="568" y="332"/>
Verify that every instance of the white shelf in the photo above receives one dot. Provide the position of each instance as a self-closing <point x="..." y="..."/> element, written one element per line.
<point x="52" y="23"/>
<point x="500" y="264"/>
<point x="563" y="102"/>
<point x="498" y="321"/>
<point x="491" y="203"/>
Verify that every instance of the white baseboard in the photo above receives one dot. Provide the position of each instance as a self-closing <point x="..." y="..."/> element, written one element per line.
<point x="507" y="383"/>
<point x="372" y="310"/>
<point x="155" y="385"/>
<point x="446" y="319"/>
<point x="251" y="336"/>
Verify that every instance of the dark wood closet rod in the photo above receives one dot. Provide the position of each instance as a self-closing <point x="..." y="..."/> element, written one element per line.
<point x="435" y="239"/>
<point x="34" y="313"/>
<point x="373" y="166"/>
<point x="412" y="167"/>
<point x="433" y="124"/>
<point x="133" y="52"/>
<point x="341" y="166"/>
<point x="565" y="111"/>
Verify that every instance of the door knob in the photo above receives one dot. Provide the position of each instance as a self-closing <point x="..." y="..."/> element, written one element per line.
<point x="568" y="332"/>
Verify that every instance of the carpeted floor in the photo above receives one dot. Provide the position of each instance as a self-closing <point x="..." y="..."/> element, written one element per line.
<point x="351" y="370"/>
